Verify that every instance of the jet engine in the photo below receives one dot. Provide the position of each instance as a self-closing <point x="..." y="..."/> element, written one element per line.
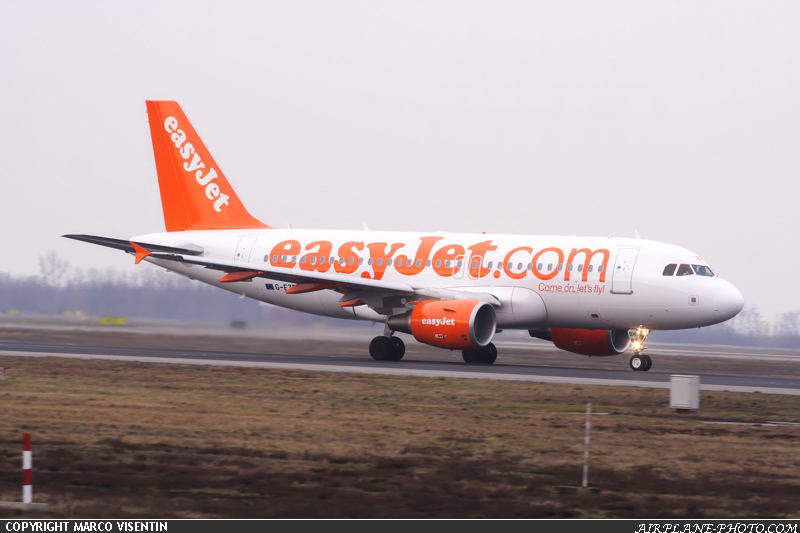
<point x="451" y="324"/>
<point x="587" y="341"/>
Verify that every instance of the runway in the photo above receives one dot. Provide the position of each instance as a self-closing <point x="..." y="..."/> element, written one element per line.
<point x="448" y="368"/>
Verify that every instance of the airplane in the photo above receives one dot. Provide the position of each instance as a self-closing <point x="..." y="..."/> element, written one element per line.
<point x="593" y="296"/>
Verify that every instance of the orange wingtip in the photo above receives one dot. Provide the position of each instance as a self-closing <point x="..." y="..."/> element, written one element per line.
<point x="240" y="276"/>
<point x="141" y="253"/>
<point x="301" y="288"/>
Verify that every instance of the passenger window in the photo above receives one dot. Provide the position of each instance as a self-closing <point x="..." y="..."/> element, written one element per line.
<point x="539" y="267"/>
<point x="489" y="266"/>
<point x="303" y="260"/>
<point x="419" y="263"/>
<point x="670" y="269"/>
<point x="369" y="261"/>
<point x="591" y="267"/>
<point x="550" y="267"/>
<point x="519" y="266"/>
<point x="448" y="263"/>
<point x="275" y="258"/>
<point x="458" y="264"/>
<point x="321" y="260"/>
<point x="530" y="267"/>
<point x="428" y="264"/>
<point x="398" y="262"/>
<point x="266" y="259"/>
<point x="438" y="263"/>
<point x="685" y="270"/>
<point x="350" y="261"/>
<point x="580" y="268"/>
<point x="702" y="270"/>
<point x="600" y="268"/>
<point x="313" y="260"/>
<point x="569" y="268"/>
<point x="560" y="267"/>
<point x="474" y="264"/>
<point x="409" y="262"/>
<point x="361" y="261"/>
<point x="380" y="261"/>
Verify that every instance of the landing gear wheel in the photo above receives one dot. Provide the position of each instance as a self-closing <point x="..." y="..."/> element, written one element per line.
<point x="470" y="356"/>
<point x="482" y="356"/>
<point x="488" y="354"/>
<point x="648" y="363"/>
<point x="637" y="362"/>
<point x="382" y="348"/>
<point x="399" y="348"/>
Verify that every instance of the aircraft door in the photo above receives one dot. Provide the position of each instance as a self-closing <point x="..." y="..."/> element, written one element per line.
<point x="243" y="249"/>
<point x="475" y="264"/>
<point x="623" y="271"/>
<point x="459" y="267"/>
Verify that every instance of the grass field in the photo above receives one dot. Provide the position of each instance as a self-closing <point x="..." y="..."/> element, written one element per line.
<point x="119" y="439"/>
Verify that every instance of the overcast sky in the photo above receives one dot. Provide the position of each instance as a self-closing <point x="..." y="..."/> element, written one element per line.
<point x="677" y="119"/>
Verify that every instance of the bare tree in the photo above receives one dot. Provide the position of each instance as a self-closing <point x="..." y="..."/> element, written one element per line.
<point x="788" y="324"/>
<point x="750" y="322"/>
<point x="53" y="269"/>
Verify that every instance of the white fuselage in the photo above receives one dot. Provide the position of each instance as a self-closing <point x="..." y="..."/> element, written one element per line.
<point x="541" y="281"/>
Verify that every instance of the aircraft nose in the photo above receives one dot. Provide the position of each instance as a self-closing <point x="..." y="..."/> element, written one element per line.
<point x="728" y="301"/>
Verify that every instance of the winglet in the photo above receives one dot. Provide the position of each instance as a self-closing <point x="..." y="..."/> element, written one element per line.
<point x="141" y="253"/>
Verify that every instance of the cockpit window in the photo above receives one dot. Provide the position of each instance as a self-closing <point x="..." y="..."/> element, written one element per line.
<point x="702" y="270"/>
<point x="670" y="269"/>
<point x="685" y="270"/>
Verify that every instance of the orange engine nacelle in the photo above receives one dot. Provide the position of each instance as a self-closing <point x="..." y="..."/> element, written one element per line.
<point x="591" y="341"/>
<point x="451" y="324"/>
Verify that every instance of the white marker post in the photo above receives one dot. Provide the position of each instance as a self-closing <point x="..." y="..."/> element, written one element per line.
<point x="27" y="487"/>
<point x="586" y="446"/>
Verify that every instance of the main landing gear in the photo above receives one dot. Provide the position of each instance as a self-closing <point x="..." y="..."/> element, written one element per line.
<point x="392" y="348"/>
<point x="482" y="356"/>
<point x="384" y="348"/>
<point x="639" y="361"/>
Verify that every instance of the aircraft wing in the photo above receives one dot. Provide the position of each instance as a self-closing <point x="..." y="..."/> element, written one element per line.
<point x="351" y="286"/>
<point x="127" y="246"/>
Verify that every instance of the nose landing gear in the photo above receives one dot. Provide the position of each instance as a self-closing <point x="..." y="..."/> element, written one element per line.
<point x="639" y="361"/>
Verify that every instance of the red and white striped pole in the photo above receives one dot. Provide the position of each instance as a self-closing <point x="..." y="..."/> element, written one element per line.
<point x="27" y="487"/>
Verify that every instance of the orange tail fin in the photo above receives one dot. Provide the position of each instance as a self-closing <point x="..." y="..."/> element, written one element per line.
<point x="194" y="193"/>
